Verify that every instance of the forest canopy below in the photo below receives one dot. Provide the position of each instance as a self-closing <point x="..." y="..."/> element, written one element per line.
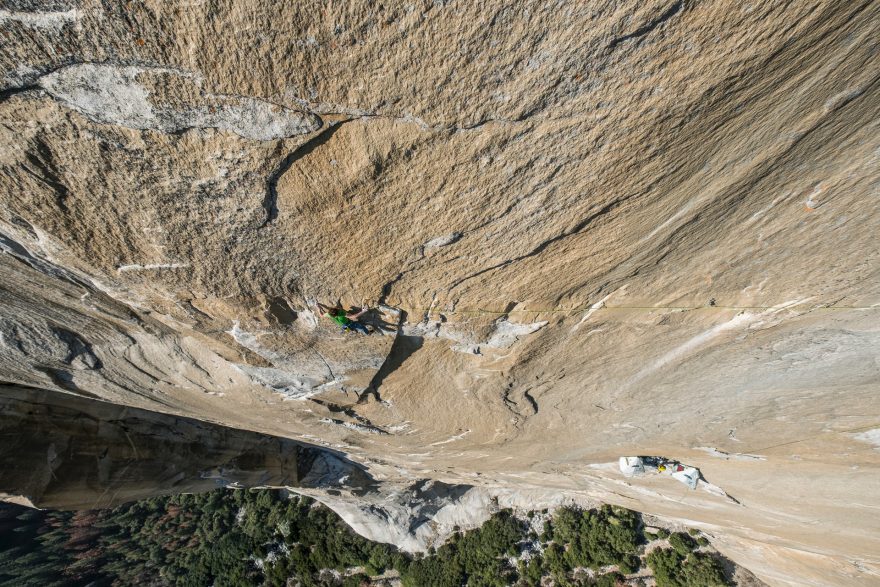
<point x="269" y="537"/>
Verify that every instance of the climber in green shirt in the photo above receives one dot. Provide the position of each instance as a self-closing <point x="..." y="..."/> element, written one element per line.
<point x="348" y="320"/>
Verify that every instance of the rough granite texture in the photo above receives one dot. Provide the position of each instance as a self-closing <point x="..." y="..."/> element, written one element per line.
<point x="612" y="227"/>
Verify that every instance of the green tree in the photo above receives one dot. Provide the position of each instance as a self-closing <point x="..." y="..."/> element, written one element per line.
<point x="672" y="569"/>
<point x="682" y="543"/>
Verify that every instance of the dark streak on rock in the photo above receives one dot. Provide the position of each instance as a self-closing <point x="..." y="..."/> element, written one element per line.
<point x="386" y="289"/>
<point x="63" y="379"/>
<point x="531" y="400"/>
<point x="326" y="364"/>
<point x="513" y="404"/>
<point x="270" y="202"/>
<point x="737" y="191"/>
<point x="402" y="348"/>
<point x="10" y="92"/>
<point x="47" y="172"/>
<point x="337" y="409"/>
<point x="650" y="25"/>
<point x="77" y="346"/>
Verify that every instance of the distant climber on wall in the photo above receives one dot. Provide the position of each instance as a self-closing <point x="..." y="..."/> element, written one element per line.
<point x="348" y="320"/>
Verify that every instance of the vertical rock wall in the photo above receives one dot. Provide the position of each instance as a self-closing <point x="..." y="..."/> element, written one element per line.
<point x="609" y="228"/>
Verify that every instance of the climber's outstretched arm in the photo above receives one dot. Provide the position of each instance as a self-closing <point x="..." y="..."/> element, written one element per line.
<point x="356" y="315"/>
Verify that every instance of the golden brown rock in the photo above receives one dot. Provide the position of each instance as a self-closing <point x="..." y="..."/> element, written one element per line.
<point x="612" y="228"/>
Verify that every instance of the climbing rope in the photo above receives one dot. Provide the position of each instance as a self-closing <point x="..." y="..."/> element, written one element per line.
<point x="634" y="308"/>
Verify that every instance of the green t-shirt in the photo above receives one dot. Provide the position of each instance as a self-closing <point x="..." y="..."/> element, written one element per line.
<point x="338" y="316"/>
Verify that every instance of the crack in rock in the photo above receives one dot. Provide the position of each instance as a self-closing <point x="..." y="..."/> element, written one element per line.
<point x="523" y="405"/>
<point x="10" y="92"/>
<point x="650" y="25"/>
<point x="270" y="201"/>
<point x="350" y="113"/>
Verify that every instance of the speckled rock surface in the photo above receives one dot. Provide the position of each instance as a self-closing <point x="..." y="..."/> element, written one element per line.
<point x="611" y="228"/>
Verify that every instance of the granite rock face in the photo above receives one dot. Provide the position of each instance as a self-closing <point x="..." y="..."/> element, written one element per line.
<point x="67" y="452"/>
<point x="600" y="229"/>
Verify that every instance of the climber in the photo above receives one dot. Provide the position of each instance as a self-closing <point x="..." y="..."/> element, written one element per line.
<point x="348" y="320"/>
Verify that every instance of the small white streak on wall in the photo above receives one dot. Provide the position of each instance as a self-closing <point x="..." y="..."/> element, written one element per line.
<point x="40" y="20"/>
<point x="871" y="437"/>
<point x="451" y="439"/>
<point x="150" y="267"/>
<point x="506" y="332"/>
<point x="695" y="343"/>
<point x="350" y="426"/>
<point x="742" y="320"/>
<point x="590" y="312"/>
<point x="597" y="306"/>
<point x="687" y="208"/>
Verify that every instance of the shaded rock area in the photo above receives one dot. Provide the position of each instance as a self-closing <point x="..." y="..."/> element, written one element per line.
<point x="64" y="452"/>
<point x="606" y="229"/>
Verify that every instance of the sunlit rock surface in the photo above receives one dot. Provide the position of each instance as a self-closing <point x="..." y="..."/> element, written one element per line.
<point x="612" y="228"/>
